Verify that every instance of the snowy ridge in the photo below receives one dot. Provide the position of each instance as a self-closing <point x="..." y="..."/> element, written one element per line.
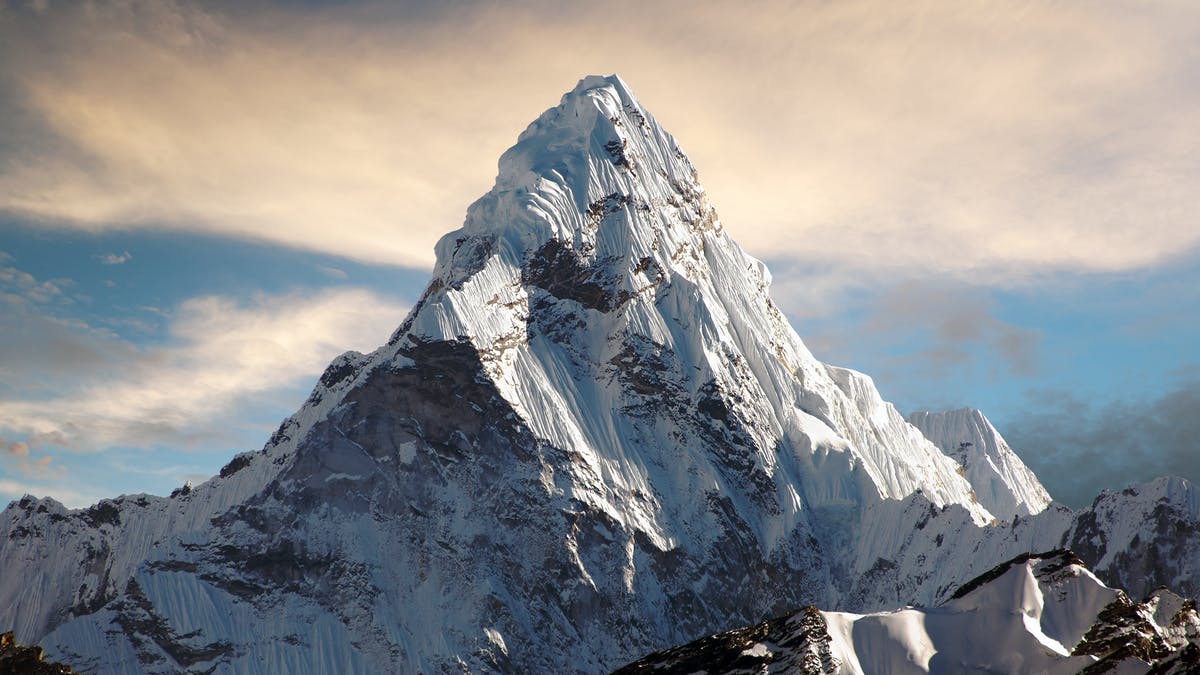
<point x="1034" y="614"/>
<point x="594" y="436"/>
<point x="1002" y="482"/>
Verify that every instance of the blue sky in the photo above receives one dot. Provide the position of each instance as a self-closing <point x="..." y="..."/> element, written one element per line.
<point x="202" y="204"/>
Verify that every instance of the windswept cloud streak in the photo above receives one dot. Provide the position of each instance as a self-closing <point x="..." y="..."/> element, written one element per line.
<point x="1057" y="137"/>
<point x="220" y="354"/>
<point x="115" y="258"/>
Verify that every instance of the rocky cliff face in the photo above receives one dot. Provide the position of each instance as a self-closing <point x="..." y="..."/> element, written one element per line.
<point x="594" y="436"/>
<point x="1143" y="537"/>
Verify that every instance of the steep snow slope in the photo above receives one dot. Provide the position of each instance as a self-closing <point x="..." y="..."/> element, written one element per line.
<point x="594" y="436"/>
<point x="1002" y="482"/>
<point x="1034" y="614"/>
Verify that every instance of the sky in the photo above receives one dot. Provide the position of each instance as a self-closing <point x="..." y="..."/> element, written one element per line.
<point x="985" y="204"/>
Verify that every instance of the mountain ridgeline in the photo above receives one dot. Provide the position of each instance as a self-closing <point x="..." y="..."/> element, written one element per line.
<point x="595" y="436"/>
<point x="1038" y="614"/>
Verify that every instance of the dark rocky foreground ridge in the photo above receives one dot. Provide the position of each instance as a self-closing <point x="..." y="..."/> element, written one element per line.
<point x="18" y="659"/>
<point x="594" y="436"/>
<point x="1036" y="613"/>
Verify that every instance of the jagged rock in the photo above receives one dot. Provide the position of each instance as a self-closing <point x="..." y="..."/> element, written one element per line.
<point x="17" y="659"/>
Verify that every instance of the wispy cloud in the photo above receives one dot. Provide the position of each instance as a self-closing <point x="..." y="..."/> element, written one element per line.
<point x="21" y="286"/>
<point x="220" y="354"/>
<point x="1058" y="136"/>
<point x="333" y="272"/>
<point x="957" y="321"/>
<point x="15" y="448"/>
<point x="926" y="331"/>
<point x="114" y="258"/>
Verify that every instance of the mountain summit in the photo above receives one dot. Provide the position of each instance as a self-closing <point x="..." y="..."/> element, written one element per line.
<point x="1001" y="481"/>
<point x="594" y="436"/>
<point x="601" y="291"/>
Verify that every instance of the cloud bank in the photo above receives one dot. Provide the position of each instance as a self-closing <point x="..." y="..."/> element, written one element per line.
<point x="995" y="142"/>
<point x="220" y="357"/>
<point x="1075" y="444"/>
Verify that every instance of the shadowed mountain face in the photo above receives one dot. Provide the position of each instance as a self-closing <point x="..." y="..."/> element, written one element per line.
<point x="594" y="436"/>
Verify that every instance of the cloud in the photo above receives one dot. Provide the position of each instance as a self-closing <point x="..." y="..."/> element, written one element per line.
<point x="221" y="357"/>
<point x="333" y="272"/>
<point x="941" y="329"/>
<point x="41" y="353"/>
<point x="72" y="497"/>
<point x="1076" y="444"/>
<point x="36" y="467"/>
<point x="994" y="143"/>
<point x="959" y="320"/>
<point x="23" y="286"/>
<point x="15" y="448"/>
<point x="114" y="258"/>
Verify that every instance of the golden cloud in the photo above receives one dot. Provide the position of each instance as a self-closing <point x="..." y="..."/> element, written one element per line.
<point x="219" y="354"/>
<point x="993" y="141"/>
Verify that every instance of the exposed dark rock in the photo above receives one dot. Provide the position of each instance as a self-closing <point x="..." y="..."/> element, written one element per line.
<point x="1122" y="631"/>
<point x="103" y="513"/>
<point x="152" y="637"/>
<point x="563" y="273"/>
<point x="236" y="464"/>
<point x="337" y="372"/>
<point x="796" y="643"/>
<point x="616" y="150"/>
<point x="469" y="257"/>
<point x="17" y="659"/>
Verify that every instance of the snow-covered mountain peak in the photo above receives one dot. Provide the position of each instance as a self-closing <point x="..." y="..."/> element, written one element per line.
<point x="1002" y="482"/>
<point x="1180" y="493"/>
<point x="1142" y="536"/>
<point x="595" y="433"/>
<point x="596" y="276"/>
<point x="578" y="176"/>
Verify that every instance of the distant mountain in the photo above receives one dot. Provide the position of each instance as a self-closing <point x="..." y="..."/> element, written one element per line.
<point x="1040" y="614"/>
<point x="999" y="479"/>
<point x="1144" y="536"/>
<point x="594" y="436"/>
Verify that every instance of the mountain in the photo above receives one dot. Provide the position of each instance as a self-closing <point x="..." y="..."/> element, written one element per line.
<point x="1043" y="613"/>
<point x="594" y="436"/>
<point x="1000" y="480"/>
<point x="1144" y="536"/>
